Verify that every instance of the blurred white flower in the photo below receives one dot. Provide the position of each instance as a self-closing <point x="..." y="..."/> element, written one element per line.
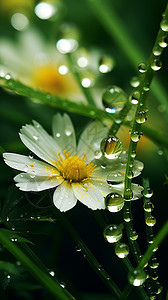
<point x="34" y="61"/>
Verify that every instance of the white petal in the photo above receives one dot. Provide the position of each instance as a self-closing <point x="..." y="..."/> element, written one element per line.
<point x="101" y="185"/>
<point x="64" y="134"/>
<point x="90" y="140"/>
<point x="137" y="189"/>
<point x="28" y="182"/>
<point x="64" y="198"/>
<point x="40" y="142"/>
<point x="89" y="195"/>
<point x="29" y="165"/>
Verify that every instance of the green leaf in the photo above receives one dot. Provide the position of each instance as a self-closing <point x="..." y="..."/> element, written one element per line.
<point x="13" y="236"/>
<point x="9" y="267"/>
<point x="44" y="278"/>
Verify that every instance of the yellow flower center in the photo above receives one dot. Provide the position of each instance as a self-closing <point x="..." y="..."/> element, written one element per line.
<point x="73" y="168"/>
<point x="48" y="79"/>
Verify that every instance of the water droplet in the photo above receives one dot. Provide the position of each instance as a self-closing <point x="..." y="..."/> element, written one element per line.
<point x="133" y="154"/>
<point x="65" y="46"/>
<point x="127" y="216"/>
<point x="114" y="99"/>
<point x="13" y="239"/>
<point x="146" y="88"/>
<point x="115" y="178"/>
<point x="128" y="194"/>
<point x="121" y="250"/>
<point x="111" y="147"/>
<point x="100" y="268"/>
<point x="62" y="284"/>
<point x="130" y="174"/>
<point x="163" y="42"/>
<point x="103" y="166"/>
<point x="112" y="233"/>
<point x="25" y="169"/>
<point x="87" y="79"/>
<point x="85" y="185"/>
<point x="58" y="134"/>
<point x="114" y="202"/>
<point x="118" y="120"/>
<point x="7" y="219"/>
<point x="150" y="238"/>
<point x="8" y="76"/>
<point x="142" y="68"/>
<point x="8" y="276"/>
<point x="156" y="64"/>
<point x="154" y="274"/>
<point x="31" y="155"/>
<point x="32" y="176"/>
<point x="157" y="50"/>
<point x="82" y="61"/>
<point x="97" y="154"/>
<point x="164" y="25"/>
<point x="13" y="228"/>
<point x="153" y="263"/>
<point x="137" y="277"/>
<point x="52" y="273"/>
<point x="35" y="137"/>
<point x="141" y="117"/>
<point x="148" y="206"/>
<point x="135" y="136"/>
<point x="45" y="10"/>
<point x="158" y="288"/>
<point x="148" y="192"/>
<point x="78" y="249"/>
<point x="68" y="131"/>
<point x="134" y="98"/>
<point x="134" y="82"/>
<point x="133" y="235"/>
<point x="106" y="64"/>
<point x="150" y="221"/>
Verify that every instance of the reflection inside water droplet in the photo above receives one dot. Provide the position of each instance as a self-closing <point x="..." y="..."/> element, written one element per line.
<point x="114" y="99"/>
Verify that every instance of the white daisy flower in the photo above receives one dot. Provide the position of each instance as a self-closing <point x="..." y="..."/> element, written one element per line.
<point x="72" y="169"/>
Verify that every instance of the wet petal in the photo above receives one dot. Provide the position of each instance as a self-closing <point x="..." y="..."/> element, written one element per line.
<point x="64" y="134"/>
<point x="90" y="140"/>
<point x="40" y="142"/>
<point x="89" y="195"/>
<point x="101" y="185"/>
<point x="136" y="188"/>
<point x="29" y="165"/>
<point x="64" y="198"/>
<point x="28" y="182"/>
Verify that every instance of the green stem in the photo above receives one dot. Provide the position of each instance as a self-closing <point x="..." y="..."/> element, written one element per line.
<point x="85" y="91"/>
<point x="149" y="233"/>
<point x="103" y="221"/>
<point x="159" y="238"/>
<point x="87" y="254"/>
<point x="49" y="283"/>
<point x="116" y="28"/>
<point x="74" y="107"/>
<point x="127" y="290"/>
<point x="143" y="90"/>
